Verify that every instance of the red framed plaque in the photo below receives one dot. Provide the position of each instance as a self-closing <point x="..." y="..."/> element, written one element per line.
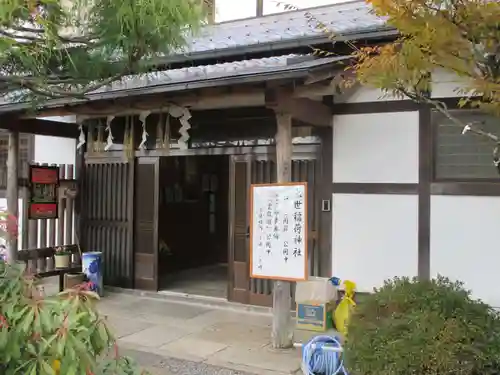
<point x="43" y="199"/>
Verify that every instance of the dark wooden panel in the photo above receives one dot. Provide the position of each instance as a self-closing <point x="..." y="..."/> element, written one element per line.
<point x="382" y="106"/>
<point x="104" y="187"/>
<point x="238" y="228"/>
<point x="323" y="191"/>
<point x="485" y="189"/>
<point x="146" y="223"/>
<point x="374" y="188"/>
<point x="39" y="126"/>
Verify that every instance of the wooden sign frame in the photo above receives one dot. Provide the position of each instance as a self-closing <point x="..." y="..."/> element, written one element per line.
<point x="35" y="206"/>
<point x="306" y="231"/>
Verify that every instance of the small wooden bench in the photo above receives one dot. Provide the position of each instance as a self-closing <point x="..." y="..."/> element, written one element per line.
<point x="41" y="263"/>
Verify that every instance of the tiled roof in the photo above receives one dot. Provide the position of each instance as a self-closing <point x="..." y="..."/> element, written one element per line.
<point x="195" y="74"/>
<point x="262" y="32"/>
<point x="349" y="18"/>
<point x="255" y="70"/>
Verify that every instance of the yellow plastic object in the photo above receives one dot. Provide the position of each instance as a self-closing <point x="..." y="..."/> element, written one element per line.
<point x="56" y="366"/>
<point x="344" y="308"/>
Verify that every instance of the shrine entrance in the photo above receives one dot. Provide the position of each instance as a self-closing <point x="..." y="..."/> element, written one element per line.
<point x="203" y="221"/>
<point x="178" y="220"/>
<point x="192" y="225"/>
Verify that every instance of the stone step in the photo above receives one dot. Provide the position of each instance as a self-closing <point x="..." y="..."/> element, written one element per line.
<point x="185" y="298"/>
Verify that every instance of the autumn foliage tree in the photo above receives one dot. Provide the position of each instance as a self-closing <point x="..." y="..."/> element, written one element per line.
<point x="64" y="48"/>
<point x="461" y="37"/>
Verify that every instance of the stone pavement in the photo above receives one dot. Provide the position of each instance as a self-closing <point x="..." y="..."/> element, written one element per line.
<point x="160" y="365"/>
<point x="203" y="339"/>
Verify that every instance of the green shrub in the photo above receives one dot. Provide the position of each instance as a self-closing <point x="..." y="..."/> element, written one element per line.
<point x="409" y="327"/>
<point x="62" y="335"/>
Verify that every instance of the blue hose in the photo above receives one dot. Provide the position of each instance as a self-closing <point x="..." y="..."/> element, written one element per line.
<point x="316" y="361"/>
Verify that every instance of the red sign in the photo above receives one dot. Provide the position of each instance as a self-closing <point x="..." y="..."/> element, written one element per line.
<point x="44" y="175"/>
<point x="43" y="210"/>
<point x="43" y="199"/>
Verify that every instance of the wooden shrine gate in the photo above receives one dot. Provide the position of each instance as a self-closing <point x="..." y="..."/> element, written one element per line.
<point x="245" y="170"/>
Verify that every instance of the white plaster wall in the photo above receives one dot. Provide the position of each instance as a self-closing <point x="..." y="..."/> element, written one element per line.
<point x="464" y="243"/>
<point x="55" y="150"/>
<point x="376" y="148"/>
<point x="445" y="84"/>
<point x="363" y="94"/>
<point x="374" y="237"/>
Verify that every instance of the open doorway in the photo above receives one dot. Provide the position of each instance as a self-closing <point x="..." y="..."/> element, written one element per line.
<point x="193" y="225"/>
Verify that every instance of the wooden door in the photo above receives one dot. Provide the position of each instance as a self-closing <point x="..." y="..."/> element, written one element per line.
<point x="239" y="230"/>
<point x="243" y="172"/>
<point x="107" y="216"/>
<point x="146" y="223"/>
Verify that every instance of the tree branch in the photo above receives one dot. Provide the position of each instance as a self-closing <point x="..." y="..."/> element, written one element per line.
<point x="443" y="109"/>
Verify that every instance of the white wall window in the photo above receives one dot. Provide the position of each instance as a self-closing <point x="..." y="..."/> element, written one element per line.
<point x="464" y="156"/>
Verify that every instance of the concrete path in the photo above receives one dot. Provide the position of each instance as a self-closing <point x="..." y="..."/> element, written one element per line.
<point x="196" y="335"/>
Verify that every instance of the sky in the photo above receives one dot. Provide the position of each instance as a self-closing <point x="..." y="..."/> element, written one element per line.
<point x="227" y="10"/>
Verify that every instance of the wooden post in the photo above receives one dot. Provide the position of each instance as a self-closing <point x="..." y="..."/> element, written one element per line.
<point x="282" y="334"/>
<point x="12" y="191"/>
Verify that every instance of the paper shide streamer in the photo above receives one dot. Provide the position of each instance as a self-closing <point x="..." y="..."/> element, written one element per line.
<point x="109" y="139"/>
<point x="81" y="136"/>
<point x="184" y="115"/>
<point x="142" y="118"/>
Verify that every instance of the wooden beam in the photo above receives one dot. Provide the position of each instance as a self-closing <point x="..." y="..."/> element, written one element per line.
<point x="311" y="112"/>
<point x="302" y="109"/>
<point x="39" y="127"/>
<point x="316" y="90"/>
<point x="12" y="194"/>
<point x="282" y="301"/>
<point x="202" y="99"/>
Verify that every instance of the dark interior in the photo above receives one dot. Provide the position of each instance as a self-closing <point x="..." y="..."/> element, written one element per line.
<point x="193" y="224"/>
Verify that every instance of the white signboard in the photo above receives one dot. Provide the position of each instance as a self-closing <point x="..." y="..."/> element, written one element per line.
<point x="278" y="231"/>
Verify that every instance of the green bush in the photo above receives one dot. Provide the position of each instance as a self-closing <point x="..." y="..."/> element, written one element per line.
<point x="409" y="327"/>
<point x="62" y="335"/>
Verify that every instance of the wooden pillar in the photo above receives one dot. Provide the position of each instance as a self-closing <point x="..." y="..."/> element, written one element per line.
<point x="12" y="192"/>
<point x="282" y="334"/>
<point x="260" y="8"/>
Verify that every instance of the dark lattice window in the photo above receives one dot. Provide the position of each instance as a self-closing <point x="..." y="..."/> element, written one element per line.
<point x="465" y="156"/>
<point x="24" y="148"/>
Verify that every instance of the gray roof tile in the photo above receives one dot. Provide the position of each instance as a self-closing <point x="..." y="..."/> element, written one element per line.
<point x="348" y="18"/>
<point x="185" y="78"/>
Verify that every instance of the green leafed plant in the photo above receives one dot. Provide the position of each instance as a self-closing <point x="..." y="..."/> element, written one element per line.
<point x="65" y="48"/>
<point x="423" y="328"/>
<point x="59" y="335"/>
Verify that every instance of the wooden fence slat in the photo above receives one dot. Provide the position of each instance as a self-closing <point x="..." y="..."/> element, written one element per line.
<point x="61" y="210"/>
<point x="24" y="224"/>
<point x="32" y="233"/>
<point x="51" y="223"/>
<point x="42" y="228"/>
<point x="70" y="205"/>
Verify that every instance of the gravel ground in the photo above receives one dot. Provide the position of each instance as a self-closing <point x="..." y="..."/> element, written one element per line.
<point x="159" y="365"/>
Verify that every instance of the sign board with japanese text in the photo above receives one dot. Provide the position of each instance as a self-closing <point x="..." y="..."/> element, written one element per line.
<point x="278" y="231"/>
<point x="43" y="199"/>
